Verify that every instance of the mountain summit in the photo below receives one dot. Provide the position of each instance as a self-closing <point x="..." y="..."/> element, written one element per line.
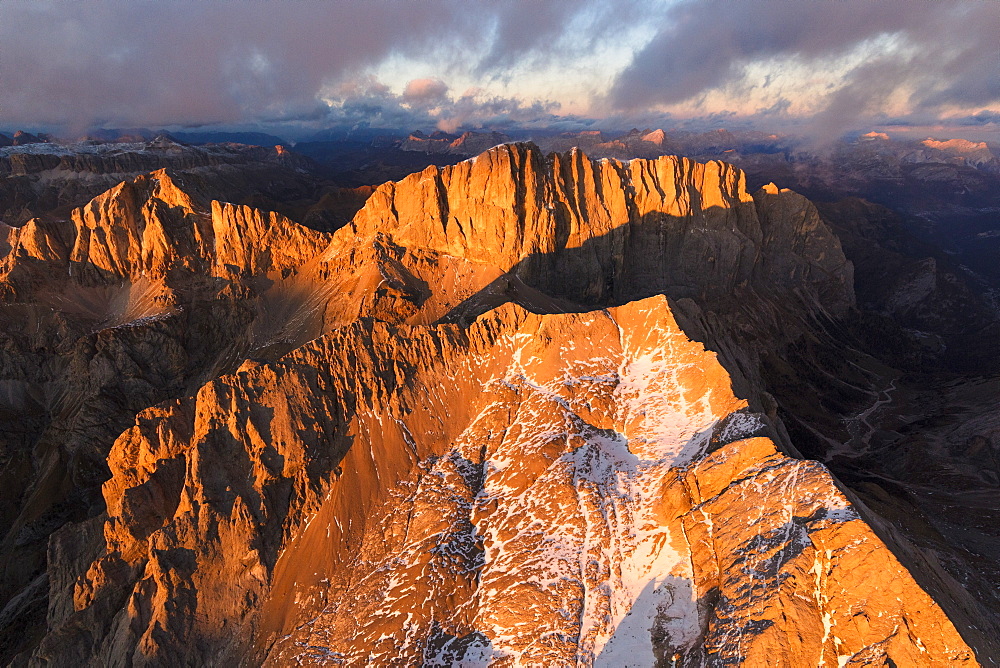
<point x="514" y="413"/>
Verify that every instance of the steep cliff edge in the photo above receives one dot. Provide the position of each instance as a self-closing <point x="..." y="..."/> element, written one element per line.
<point x="604" y="231"/>
<point x="560" y="489"/>
<point x="565" y="232"/>
<point x="144" y="294"/>
<point x="482" y="425"/>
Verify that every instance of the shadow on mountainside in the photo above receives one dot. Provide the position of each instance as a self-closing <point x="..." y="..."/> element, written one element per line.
<point x="778" y="311"/>
<point x="76" y="367"/>
<point x="799" y="352"/>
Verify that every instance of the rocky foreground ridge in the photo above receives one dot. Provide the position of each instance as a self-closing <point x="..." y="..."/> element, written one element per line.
<point x="516" y="412"/>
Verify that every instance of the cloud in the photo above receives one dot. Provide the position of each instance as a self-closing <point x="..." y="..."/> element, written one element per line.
<point x="981" y="118"/>
<point x="427" y="103"/>
<point x="846" y="61"/>
<point x="187" y="62"/>
<point x="311" y="63"/>
<point x="425" y="91"/>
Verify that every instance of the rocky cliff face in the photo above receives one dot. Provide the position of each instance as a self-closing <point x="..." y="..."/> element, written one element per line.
<point x="479" y="424"/>
<point x="151" y="227"/>
<point x="595" y="232"/>
<point x="142" y="295"/>
<point x="532" y="489"/>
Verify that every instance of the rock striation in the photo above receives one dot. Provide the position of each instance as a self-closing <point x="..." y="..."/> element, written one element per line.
<point x="151" y="227"/>
<point x="567" y="489"/>
<point x="513" y="413"/>
<point x="599" y="231"/>
<point x="142" y="295"/>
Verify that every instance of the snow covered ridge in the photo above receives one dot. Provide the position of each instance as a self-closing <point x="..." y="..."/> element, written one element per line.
<point x="608" y="502"/>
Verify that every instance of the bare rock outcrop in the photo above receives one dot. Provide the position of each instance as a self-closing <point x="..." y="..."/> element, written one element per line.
<point x="144" y="294"/>
<point x="566" y="232"/>
<point x="512" y="413"/>
<point x="151" y="227"/>
<point x="602" y="231"/>
<point x="559" y="489"/>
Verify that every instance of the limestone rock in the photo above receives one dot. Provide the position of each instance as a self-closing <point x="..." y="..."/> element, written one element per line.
<point x="567" y="489"/>
<point x="140" y="296"/>
<point x="22" y="138"/>
<point x="512" y="413"/>
<point x="598" y="232"/>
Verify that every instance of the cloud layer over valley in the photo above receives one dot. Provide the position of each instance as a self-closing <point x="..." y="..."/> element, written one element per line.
<point x="826" y="67"/>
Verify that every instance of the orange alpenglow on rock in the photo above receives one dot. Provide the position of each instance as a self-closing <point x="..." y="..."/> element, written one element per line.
<point x="482" y="433"/>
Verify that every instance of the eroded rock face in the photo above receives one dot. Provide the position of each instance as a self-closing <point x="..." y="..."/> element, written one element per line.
<point x="152" y="227"/>
<point x="144" y="294"/>
<point x="476" y="424"/>
<point x="560" y="489"/>
<point x="570" y="233"/>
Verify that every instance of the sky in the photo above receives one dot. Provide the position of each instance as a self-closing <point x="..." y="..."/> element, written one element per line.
<point x="816" y="67"/>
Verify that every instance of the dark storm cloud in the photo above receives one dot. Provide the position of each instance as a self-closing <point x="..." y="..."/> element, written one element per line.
<point x="184" y="62"/>
<point x="180" y="62"/>
<point x="982" y="118"/>
<point x="949" y="54"/>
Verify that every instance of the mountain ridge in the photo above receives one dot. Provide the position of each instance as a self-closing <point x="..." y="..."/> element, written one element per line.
<point x="435" y="393"/>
